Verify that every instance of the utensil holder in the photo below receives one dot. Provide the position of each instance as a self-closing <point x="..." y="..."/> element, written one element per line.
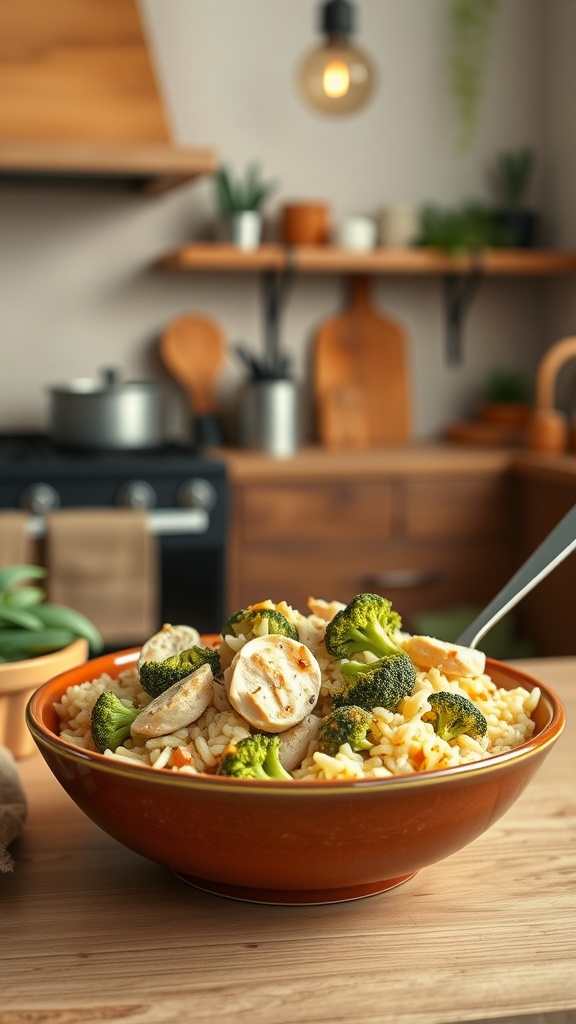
<point x="269" y="417"/>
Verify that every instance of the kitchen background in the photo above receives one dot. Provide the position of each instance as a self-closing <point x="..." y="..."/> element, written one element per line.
<point x="80" y="289"/>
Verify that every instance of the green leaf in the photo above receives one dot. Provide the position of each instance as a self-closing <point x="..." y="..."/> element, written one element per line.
<point x="19" y="617"/>
<point x="22" y="597"/>
<point x="59" y="616"/>
<point x="12" y="575"/>
<point x="18" y="645"/>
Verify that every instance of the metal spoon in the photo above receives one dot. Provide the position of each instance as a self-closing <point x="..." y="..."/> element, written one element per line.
<point x="553" y="550"/>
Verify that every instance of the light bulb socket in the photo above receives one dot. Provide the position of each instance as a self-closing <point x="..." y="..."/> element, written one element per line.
<point x="337" y="18"/>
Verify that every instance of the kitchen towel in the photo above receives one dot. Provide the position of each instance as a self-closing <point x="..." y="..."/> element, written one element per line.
<point x="12" y="807"/>
<point x="16" y="546"/>
<point x="104" y="562"/>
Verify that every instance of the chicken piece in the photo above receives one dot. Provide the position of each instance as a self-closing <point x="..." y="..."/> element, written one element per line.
<point x="168" y="641"/>
<point x="450" y="659"/>
<point x="178" y="706"/>
<point x="294" y="743"/>
<point x="324" y="609"/>
<point x="273" y="682"/>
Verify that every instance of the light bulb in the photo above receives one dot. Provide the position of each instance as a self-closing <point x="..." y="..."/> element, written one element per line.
<point x="336" y="77"/>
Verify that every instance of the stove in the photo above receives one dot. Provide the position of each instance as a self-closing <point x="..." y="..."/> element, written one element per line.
<point x="183" y="491"/>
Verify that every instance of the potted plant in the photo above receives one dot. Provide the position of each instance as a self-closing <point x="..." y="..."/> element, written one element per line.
<point x="38" y="640"/>
<point x="471" y="29"/>
<point x="512" y="179"/>
<point x="462" y="230"/>
<point x="505" y="398"/>
<point x="240" y="200"/>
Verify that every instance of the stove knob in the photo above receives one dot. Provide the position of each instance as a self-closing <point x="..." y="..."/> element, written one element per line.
<point x="136" y="494"/>
<point x="197" y="493"/>
<point x="39" y="499"/>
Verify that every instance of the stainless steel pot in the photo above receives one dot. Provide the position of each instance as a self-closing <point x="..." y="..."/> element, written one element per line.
<point x="106" y="414"/>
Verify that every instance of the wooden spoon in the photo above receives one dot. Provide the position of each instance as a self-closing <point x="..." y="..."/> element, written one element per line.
<point x="193" y="349"/>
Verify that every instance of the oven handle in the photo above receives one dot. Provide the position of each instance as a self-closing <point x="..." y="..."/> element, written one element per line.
<point x="162" y="522"/>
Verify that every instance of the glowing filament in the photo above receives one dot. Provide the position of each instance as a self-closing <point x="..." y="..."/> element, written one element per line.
<point x="336" y="79"/>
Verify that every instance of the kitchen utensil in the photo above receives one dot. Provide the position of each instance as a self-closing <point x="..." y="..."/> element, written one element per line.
<point x="106" y="414"/>
<point x="553" y="550"/>
<point x="193" y="349"/>
<point x="548" y="427"/>
<point x="361" y="385"/>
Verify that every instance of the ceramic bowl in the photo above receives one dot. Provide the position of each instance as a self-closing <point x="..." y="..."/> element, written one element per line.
<point x="19" y="680"/>
<point x="298" y="842"/>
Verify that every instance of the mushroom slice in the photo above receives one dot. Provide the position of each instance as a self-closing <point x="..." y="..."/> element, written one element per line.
<point x="178" y="706"/>
<point x="168" y="641"/>
<point x="273" y="682"/>
<point x="450" y="659"/>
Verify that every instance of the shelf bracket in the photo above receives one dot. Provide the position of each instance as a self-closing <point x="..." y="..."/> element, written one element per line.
<point x="460" y="291"/>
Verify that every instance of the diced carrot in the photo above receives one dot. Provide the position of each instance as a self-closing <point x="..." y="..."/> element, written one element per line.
<point x="180" y="758"/>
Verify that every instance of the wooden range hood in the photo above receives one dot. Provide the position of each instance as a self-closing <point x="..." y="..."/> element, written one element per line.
<point x="79" y="98"/>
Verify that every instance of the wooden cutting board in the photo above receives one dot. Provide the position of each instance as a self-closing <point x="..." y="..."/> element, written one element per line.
<point x="361" y="380"/>
<point x="193" y="350"/>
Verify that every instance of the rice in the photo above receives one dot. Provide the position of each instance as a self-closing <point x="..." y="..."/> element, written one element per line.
<point x="402" y="742"/>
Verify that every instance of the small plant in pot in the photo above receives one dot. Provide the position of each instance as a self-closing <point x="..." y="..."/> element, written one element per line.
<point x="506" y="397"/>
<point x="240" y="201"/>
<point x="512" y="178"/>
<point x="38" y="640"/>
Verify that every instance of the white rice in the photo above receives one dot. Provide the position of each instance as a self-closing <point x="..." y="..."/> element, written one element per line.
<point x="401" y="741"/>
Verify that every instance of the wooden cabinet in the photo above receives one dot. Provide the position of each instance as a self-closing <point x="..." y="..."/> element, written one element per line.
<point x="546" y="491"/>
<point x="428" y="528"/>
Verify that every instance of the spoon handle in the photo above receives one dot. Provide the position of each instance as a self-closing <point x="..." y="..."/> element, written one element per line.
<point x="553" y="550"/>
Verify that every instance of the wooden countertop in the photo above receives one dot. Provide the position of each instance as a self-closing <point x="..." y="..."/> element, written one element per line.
<point x="315" y="462"/>
<point x="93" y="932"/>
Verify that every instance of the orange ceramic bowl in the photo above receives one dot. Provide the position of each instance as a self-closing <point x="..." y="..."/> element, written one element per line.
<point x="290" y="842"/>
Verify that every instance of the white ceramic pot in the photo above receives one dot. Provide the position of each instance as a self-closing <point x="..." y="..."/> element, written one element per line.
<point x="247" y="229"/>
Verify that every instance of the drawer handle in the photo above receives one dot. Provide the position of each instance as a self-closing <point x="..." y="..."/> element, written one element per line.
<point x="401" y="579"/>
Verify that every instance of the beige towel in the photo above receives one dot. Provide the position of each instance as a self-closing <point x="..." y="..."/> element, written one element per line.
<point x="16" y="547"/>
<point x="12" y="807"/>
<point x="104" y="562"/>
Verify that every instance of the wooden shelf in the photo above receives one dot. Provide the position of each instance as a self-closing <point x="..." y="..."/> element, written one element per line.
<point x="153" y="167"/>
<point x="331" y="259"/>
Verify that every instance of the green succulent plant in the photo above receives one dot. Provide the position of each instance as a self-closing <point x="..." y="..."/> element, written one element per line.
<point x="30" y="626"/>
<point x="513" y="173"/>
<point x="237" y="193"/>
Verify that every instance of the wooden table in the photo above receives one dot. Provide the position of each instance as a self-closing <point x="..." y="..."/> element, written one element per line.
<point x="92" y="932"/>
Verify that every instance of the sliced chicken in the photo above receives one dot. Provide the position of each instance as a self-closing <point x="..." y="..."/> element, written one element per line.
<point x="324" y="609"/>
<point x="178" y="706"/>
<point x="273" y="682"/>
<point x="168" y="641"/>
<point x="294" y="743"/>
<point x="450" y="659"/>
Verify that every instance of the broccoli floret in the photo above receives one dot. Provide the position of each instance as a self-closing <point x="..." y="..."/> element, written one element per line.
<point x="367" y="623"/>
<point x="453" y="715"/>
<point x="157" y="676"/>
<point x="110" y="721"/>
<point x="248" y="622"/>
<point x="381" y="684"/>
<point x="346" y="724"/>
<point x="254" y="757"/>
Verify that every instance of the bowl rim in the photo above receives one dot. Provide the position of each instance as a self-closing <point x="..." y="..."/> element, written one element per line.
<point x="536" y="745"/>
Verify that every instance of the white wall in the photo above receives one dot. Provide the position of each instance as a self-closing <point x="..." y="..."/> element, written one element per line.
<point x="79" y="286"/>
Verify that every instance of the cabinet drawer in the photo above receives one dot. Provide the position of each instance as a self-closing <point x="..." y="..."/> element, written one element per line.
<point x="467" y="508"/>
<point x="314" y="512"/>
<point x="414" y="577"/>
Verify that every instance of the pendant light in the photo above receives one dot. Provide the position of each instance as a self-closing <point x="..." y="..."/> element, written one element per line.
<point x="336" y="77"/>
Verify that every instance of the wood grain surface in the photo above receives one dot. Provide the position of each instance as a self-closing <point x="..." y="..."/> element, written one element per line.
<point x="92" y="932"/>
